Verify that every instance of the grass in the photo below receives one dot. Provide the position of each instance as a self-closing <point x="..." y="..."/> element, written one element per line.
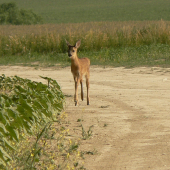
<point x="36" y="60"/>
<point x="77" y="11"/>
<point x="105" y="43"/>
<point x="152" y="55"/>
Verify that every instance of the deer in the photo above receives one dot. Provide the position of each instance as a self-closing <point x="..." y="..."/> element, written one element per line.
<point x="79" y="67"/>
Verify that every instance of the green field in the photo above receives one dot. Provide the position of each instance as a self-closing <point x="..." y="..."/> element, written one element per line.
<point x="117" y="33"/>
<point x="76" y="11"/>
<point x="136" y="43"/>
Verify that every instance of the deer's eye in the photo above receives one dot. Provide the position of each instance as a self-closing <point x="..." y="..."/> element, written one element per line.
<point x="73" y="51"/>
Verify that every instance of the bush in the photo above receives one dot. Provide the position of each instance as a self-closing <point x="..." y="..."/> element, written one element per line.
<point x="23" y="106"/>
<point x="10" y="14"/>
<point x="33" y="131"/>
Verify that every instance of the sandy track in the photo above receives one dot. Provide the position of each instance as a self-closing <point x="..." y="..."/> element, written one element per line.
<point x="130" y="112"/>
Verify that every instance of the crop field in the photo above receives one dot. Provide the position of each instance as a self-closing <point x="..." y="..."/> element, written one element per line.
<point x="117" y="33"/>
<point x="77" y="11"/>
<point x="133" y="43"/>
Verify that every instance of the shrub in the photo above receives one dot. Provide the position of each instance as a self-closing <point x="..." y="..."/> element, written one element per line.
<point x="24" y="105"/>
<point x="10" y="14"/>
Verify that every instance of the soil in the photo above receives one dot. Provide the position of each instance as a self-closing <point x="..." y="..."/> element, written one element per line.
<point x="129" y="110"/>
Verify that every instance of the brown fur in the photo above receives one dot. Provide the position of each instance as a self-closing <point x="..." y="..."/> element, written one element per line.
<point x="79" y="67"/>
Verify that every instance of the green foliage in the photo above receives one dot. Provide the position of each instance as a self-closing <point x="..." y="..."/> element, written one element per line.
<point x="23" y="105"/>
<point x="10" y="14"/>
<point x="88" y="134"/>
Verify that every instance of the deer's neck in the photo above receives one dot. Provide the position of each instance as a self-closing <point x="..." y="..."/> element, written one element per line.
<point x="75" y="66"/>
<point x="75" y="61"/>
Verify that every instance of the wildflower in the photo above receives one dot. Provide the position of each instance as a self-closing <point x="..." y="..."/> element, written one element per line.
<point x="68" y="155"/>
<point x="78" y="154"/>
<point x="68" y="167"/>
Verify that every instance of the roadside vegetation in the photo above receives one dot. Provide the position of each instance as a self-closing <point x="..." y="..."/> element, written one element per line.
<point x="33" y="132"/>
<point x="128" y="44"/>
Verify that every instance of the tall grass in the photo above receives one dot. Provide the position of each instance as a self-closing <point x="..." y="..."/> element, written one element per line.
<point x="50" y="38"/>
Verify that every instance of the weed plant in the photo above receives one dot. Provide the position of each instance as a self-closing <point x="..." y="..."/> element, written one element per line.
<point x="49" y="148"/>
<point x="32" y="127"/>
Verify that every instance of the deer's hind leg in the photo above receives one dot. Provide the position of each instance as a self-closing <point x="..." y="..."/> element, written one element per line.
<point x="87" y="85"/>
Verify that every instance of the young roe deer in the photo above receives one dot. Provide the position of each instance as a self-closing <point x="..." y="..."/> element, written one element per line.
<point x="79" y="67"/>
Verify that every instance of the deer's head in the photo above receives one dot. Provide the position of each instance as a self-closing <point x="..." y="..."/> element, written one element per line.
<point x="72" y="50"/>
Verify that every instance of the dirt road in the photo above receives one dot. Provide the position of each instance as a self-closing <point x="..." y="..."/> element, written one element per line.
<point x="129" y="110"/>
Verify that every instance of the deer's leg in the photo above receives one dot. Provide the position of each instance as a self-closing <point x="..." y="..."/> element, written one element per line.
<point x="77" y="81"/>
<point x="87" y="85"/>
<point x="81" y="82"/>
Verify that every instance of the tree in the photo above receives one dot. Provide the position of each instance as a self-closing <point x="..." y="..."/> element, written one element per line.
<point x="10" y="14"/>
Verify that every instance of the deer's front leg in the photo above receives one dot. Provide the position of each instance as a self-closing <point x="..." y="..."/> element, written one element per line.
<point x="81" y="82"/>
<point x="77" y="81"/>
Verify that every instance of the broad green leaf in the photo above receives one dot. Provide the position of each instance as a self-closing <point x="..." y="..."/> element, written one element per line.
<point x="20" y="109"/>
<point x="44" y="102"/>
<point x="2" y="128"/>
<point x="13" y="133"/>
<point x="23" y="113"/>
<point x="20" y="89"/>
<point x="27" y="126"/>
<point x="2" y="118"/>
<point x="11" y="113"/>
<point x="26" y="106"/>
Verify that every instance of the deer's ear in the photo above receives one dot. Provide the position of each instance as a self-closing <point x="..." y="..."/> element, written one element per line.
<point x="78" y="43"/>
<point x="68" y="44"/>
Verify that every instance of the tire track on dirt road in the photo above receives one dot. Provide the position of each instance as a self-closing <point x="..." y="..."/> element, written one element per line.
<point x="122" y="146"/>
<point x="118" y="140"/>
<point x="127" y="142"/>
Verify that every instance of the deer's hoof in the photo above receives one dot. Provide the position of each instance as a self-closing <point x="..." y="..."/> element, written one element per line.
<point x="76" y="103"/>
